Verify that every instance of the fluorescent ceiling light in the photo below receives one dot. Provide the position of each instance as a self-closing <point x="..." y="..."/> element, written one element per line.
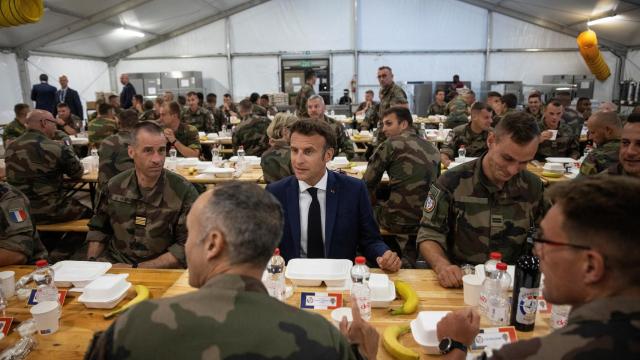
<point x="604" y="20"/>
<point x="128" y="33"/>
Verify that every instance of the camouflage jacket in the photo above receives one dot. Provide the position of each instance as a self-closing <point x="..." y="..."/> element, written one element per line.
<point x="226" y="113"/>
<point x="138" y="227"/>
<point x="100" y="129"/>
<point x="35" y="166"/>
<point x="219" y="321"/>
<point x="147" y="115"/>
<point x="435" y="109"/>
<point x="201" y="119"/>
<point x="574" y="119"/>
<point x="565" y="145"/>
<point x="614" y="170"/>
<point x="458" y="113"/>
<point x="469" y="217"/>
<point x="388" y="96"/>
<point x="276" y="162"/>
<point x="496" y="118"/>
<point x="73" y="121"/>
<point x="114" y="156"/>
<point x="370" y="118"/>
<point x="475" y="144"/>
<point x="345" y="145"/>
<point x="219" y="119"/>
<point x="188" y="136"/>
<point x="301" y="100"/>
<point x="258" y="110"/>
<point x="12" y="131"/>
<point x="606" y="328"/>
<point x="601" y="158"/>
<point x="412" y="164"/>
<point x="251" y="133"/>
<point x="17" y="230"/>
<point x="537" y="116"/>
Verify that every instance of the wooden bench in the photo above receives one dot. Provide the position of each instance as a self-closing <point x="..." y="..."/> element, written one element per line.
<point x="69" y="226"/>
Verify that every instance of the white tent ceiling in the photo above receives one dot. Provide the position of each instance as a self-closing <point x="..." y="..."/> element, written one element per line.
<point x="87" y="27"/>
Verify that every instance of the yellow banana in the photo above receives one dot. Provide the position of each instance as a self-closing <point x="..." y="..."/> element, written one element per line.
<point x="393" y="346"/>
<point x="410" y="299"/>
<point x="142" y="294"/>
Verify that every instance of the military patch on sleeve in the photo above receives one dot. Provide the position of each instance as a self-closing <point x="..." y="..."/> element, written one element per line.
<point x="430" y="203"/>
<point x="17" y="215"/>
<point x="141" y="221"/>
<point x="67" y="141"/>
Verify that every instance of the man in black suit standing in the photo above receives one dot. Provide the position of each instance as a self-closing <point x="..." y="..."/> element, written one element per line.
<point x="68" y="96"/>
<point x="44" y="94"/>
<point x="128" y="92"/>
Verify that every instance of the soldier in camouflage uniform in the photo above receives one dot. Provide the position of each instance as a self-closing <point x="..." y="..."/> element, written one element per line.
<point x="484" y="205"/>
<point x="390" y="94"/>
<point x="16" y="128"/>
<point x="592" y="273"/>
<point x="67" y="121"/>
<point x="141" y="213"/>
<point x="148" y="112"/>
<point x="570" y="116"/>
<point x="316" y="109"/>
<point x="219" y="118"/>
<point x="534" y="106"/>
<point x="508" y="103"/>
<point x="103" y="126"/>
<point x="218" y="316"/>
<point x="276" y="161"/>
<point x="264" y="102"/>
<point x="629" y="156"/>
<point x="257" y="109"/>
<point x="305" y="93"/>
<point x="197" y="116"/>
<point x="566" y="142"/>
<point x="251" y="133"/>
<point x="184" y="138"/>
<point x="36" y="165"/>
<point x="113" y="152"/>
<point x="228" y="107"/>
<point x="472" y="135"/>
<point x="604" y="131"/>
<point x="19" y="240"/>
<point x="412" y="165"/>
<point x="439" y="106"/>
<point x="458" y="109"/>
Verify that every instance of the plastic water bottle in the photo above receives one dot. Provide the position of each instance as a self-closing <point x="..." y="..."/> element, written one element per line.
<point x="46" y="287"/>
<point x="275" y="276"/>
<point x="423" y="131"/>
<point x="360" y="287"/>
<point x="224" y="129"/>
<point x="462" y="152"/>
<point x="94" y="152"/>
<point x="498" y="306"/>
<point x="240" y="162"/>
<point x="333" y="113"/>
<point x="492" y="283"/>
<point x="173" y="154"/>
<point x="215" y="155"/>
<point x="490" y="265"/>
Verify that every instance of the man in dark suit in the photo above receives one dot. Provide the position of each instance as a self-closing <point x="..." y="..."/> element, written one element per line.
<point x="68" y="96"/>
<point x="327" y="215"/>
<point x="128" y="92"/>
<point x="44" y="94"/>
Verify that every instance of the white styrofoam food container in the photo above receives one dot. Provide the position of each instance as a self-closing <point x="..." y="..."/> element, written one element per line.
<point x="424" y="330"/>
<point x="78" y="273"/>
<point x="312" y="272"/>
<point x="105" y="292"/>
<point x="384" y="299"/>
<point x="219" y="172"/>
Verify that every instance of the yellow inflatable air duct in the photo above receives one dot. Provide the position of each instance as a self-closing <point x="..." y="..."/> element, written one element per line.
<point x="588" y="45"/>
<point x="19" y="12"/>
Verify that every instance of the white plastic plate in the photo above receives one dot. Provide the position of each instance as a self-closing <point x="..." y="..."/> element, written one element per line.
<point x="312" y="272"/>
<point x="80" y="273"/>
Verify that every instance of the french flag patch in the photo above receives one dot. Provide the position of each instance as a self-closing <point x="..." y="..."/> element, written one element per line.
<point x="17" y="215"/>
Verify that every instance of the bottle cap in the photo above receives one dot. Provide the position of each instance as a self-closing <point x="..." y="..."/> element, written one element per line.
<point x="461" y="146"/>
<point x="495" y="255"/>
<point x="276" y="251"/>
<point x="41" y="263"/>
<point x="501" y="266"/>
<point x="360" y="260"/>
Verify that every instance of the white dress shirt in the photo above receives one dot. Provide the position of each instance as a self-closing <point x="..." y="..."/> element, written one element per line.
<point x="304" y="202"/>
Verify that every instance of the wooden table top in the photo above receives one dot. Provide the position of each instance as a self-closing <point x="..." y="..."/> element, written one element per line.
<point x="78" y="323"/>
<point x="251" y="175"/>
<point x="432" y="296"/>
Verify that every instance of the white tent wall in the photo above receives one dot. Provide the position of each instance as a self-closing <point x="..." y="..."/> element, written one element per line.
<point x="214" y="70"/>
<point x="85" y="76"/>
<point x="510" y="33"/>
<point x="342" y="73"/>
<point x="255" y="74"/>
<point x="9" y="87"/>
<point x="632" y="66"/>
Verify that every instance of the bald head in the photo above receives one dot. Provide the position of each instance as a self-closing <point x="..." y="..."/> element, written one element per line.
<point x="610" y="119"/>
<point x="38" y="115"/>
<point x="43" y="121"/>
<point x="604" y="126"/>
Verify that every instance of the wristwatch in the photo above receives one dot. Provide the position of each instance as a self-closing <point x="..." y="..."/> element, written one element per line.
<point x="448" y="344"/>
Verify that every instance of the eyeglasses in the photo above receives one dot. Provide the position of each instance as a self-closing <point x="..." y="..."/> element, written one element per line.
<point x="540" y="240"/>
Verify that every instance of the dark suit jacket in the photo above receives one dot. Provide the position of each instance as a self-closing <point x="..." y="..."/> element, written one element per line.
<point x="126" y="96"/>
<point x="349" y="222"/>
<point x="72" y="99"/>
<point x="45" y="96"/>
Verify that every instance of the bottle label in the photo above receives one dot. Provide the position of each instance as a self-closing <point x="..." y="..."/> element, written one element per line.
<point x="527" y="306"/>
<point x="498" y="314"/>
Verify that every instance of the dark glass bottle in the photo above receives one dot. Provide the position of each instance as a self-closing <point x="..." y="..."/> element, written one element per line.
<point x="526" y="286"/>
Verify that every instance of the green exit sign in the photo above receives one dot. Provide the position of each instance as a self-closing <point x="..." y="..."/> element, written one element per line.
<point x="305" y="63"/>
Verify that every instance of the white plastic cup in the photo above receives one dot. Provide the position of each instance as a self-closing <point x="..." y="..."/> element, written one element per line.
<point x="472" y="285"/>
<point x="47" y="317"/>
<point x="560" y="315"/>
<point x="339" y="313"/>
<point x="554" y="135"/>
<point x="8" y="283"/>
